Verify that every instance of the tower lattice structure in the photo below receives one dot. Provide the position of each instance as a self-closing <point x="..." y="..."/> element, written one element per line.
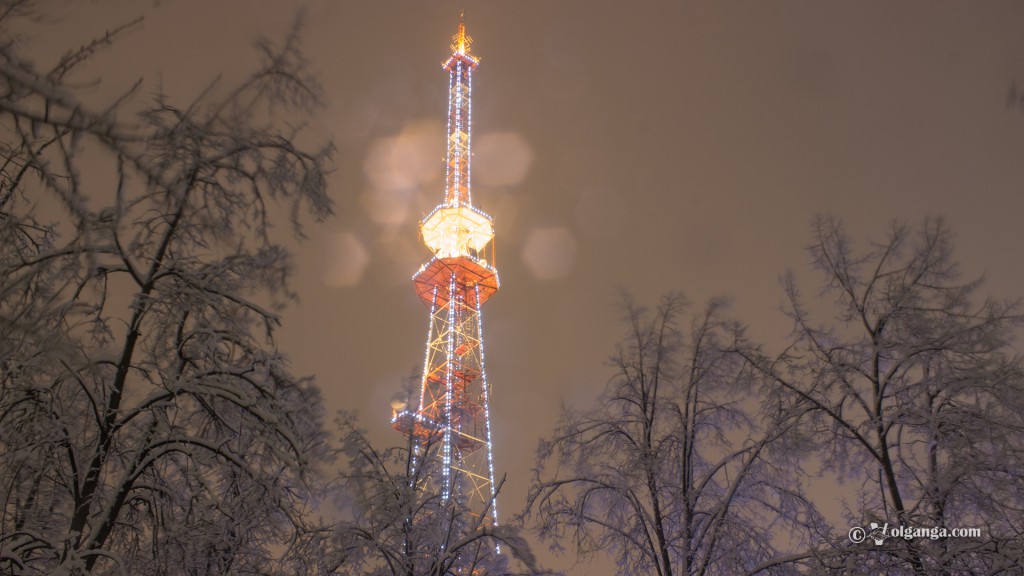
<point x="454" y="398"/>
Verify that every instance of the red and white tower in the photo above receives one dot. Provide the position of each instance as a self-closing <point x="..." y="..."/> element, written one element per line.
<point x="455" y="395"/>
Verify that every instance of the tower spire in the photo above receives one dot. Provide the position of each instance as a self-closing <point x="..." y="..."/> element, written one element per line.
<point x="460" y="66"/>
<point x="461" y="41"/>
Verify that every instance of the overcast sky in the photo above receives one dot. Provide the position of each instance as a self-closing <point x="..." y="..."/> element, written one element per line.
<point x="651" y="146"/>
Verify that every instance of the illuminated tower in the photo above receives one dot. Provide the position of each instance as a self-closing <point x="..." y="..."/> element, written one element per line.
<point x="454" y="395"/>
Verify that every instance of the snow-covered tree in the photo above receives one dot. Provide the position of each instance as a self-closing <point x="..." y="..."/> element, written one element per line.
<point x="397" y="524"/>
<point x="914" y="395"/>
<point x="148" y="422"/>
<point x="674" y="471"/>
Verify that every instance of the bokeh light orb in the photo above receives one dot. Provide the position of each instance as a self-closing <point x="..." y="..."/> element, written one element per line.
<point x="347" y="259"/>
<point x="549" y="253"/>
<point x="501" y="159"/>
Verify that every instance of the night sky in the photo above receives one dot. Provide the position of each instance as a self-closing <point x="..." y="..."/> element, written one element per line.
<point x="643" y="146"/>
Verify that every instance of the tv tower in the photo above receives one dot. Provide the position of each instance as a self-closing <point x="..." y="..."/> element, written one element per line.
<point x="455" y="396"/>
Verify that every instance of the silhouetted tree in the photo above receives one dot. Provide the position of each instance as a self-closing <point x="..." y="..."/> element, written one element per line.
<point x="148" y="423"/>
<point x="673" y="471"/>
<point x="397" y="523"/>
<point x="913" y="393"/>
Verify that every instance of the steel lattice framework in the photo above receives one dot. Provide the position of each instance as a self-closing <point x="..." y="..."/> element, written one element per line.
<point x="454" y="395"/>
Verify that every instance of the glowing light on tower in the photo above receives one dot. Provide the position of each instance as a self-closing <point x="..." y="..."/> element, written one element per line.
<point x="454" y="403"/>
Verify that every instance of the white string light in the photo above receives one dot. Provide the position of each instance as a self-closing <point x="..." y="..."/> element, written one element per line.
<point x="446" y="491"/>
<point x="447" y="165"/>
<point x="487" y="408"/>
<point x="469" y="135"/>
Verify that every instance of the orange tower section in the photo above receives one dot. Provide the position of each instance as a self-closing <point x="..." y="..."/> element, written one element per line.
<point x="454" y="395"/>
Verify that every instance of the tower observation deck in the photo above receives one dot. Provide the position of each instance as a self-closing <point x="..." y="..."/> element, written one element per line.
<point x="453" y="411"/>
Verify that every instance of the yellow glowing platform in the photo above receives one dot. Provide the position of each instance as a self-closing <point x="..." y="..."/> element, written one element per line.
<point x="457" y="231"/>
